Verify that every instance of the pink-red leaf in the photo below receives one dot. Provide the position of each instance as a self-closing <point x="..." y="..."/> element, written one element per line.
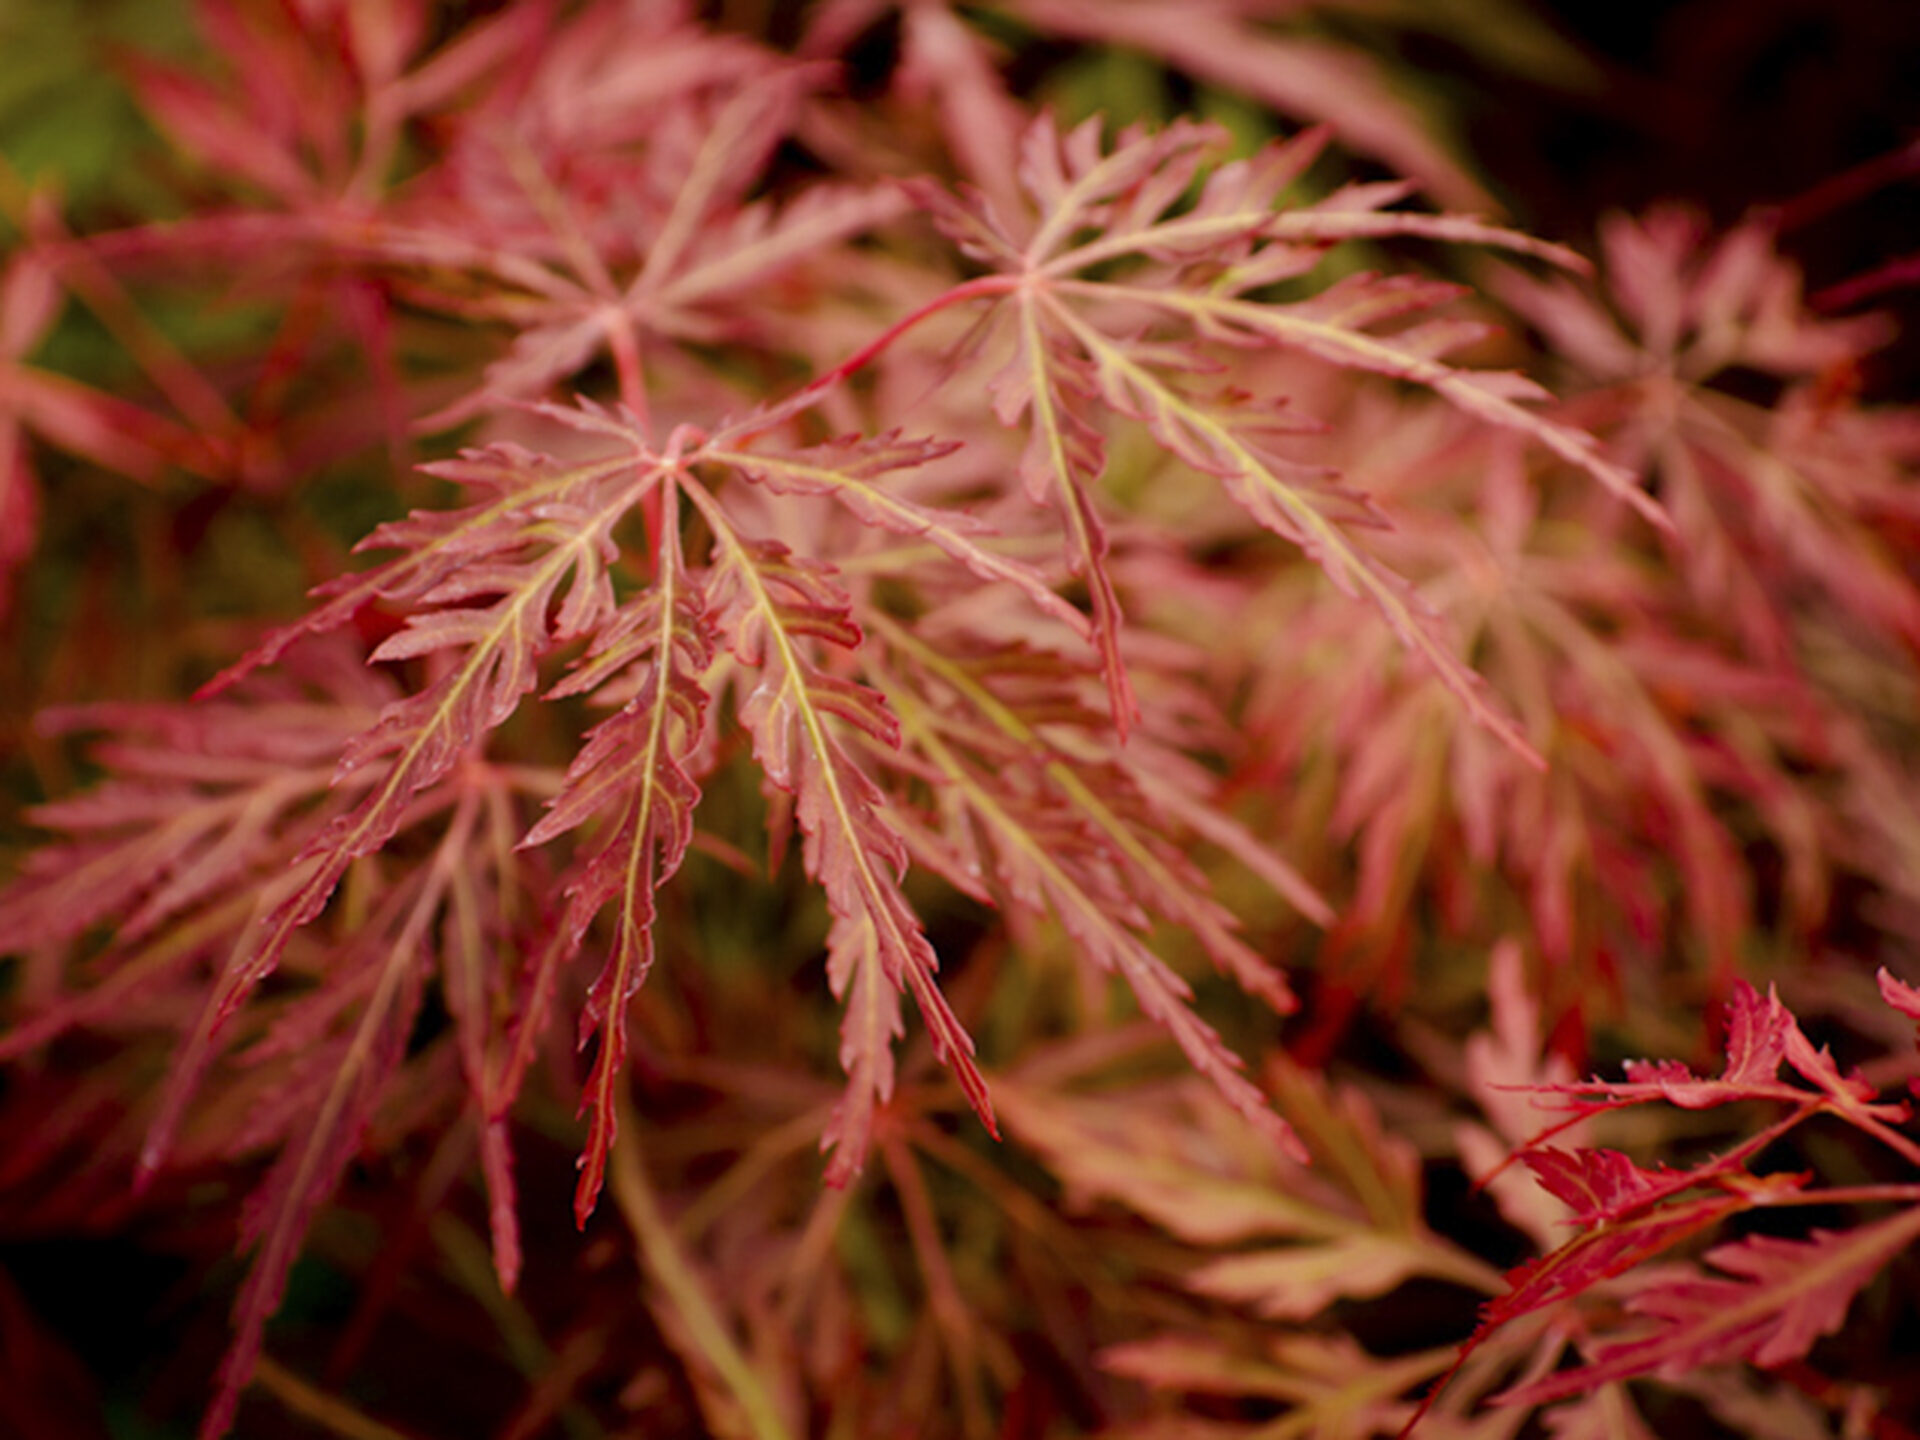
<point x="634" y="772"/>
<point x="1761" y="1035"/>
<point x="773" y="610"/>
<point x="1773" y="1299"/>
<point x="848" y="470"/>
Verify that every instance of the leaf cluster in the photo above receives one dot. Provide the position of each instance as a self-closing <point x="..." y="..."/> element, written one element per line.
<point x="1137" y="688"/>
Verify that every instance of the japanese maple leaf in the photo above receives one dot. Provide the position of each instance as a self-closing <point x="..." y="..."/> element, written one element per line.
<point x="621" y="213"/>
<point x="1103" y="321"/>
<point x="1762" y="1035"/>
<point x="1771" y="1300"/>
<point x="771" y="605"/>
<point x="1785" y="1293"/>
<point x="1763" y="501"/>
<point x="636" y="770"/>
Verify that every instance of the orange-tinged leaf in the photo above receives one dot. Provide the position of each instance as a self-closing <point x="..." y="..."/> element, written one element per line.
<point x="1169" y="1156"/>
<point x="1332" y="1385"/>
<point x="1297" y="1282"/>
